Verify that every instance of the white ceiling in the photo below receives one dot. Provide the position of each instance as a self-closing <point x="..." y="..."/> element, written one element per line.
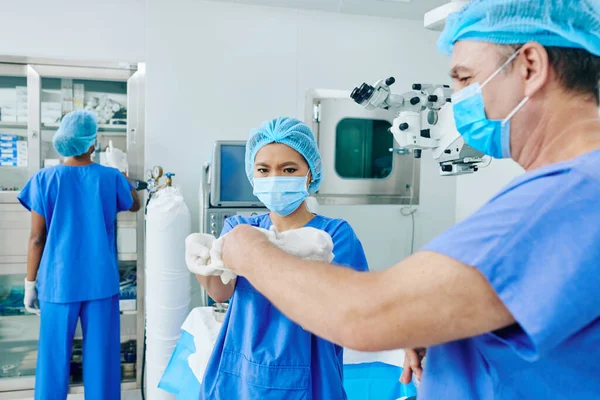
<point x="405" y="9"/>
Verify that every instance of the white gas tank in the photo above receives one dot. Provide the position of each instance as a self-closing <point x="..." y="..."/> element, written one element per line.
<point x="168" y="223"/>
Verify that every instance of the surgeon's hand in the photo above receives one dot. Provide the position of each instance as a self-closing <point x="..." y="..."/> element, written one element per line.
<point x="413" y="364"/>
<point x="31" y="298"/>
<point x="238" y="246"/>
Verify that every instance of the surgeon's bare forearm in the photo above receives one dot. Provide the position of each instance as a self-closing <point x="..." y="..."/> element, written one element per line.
<point x="425" y="300"/>
<point x="429" y="299"/>
<point x="215" y="288"/>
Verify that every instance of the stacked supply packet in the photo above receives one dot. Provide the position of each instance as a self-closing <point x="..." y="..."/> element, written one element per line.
<point x="13" y="151"/>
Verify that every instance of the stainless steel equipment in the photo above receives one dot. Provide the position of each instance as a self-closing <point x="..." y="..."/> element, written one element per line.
<point x="225" y="190"/>
<point x="362" y="162"/>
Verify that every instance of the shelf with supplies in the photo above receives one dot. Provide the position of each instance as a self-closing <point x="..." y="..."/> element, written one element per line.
<point x="116" y="129"/>
<point x="127" y="256"/>
<point x="111" y="128"/>
<point x="25" y="314"/>
<point x="13" y="125"/>
<point x="21" y="385"/>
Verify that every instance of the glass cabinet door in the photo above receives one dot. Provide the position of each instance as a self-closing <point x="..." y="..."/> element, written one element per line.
<point x="107" y="99"/>
<point x="18" y="330"/>
<point x="14" y="113"/>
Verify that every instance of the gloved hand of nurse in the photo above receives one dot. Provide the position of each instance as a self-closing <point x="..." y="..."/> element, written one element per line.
<point x="198" y="255"/>
<point x="307" y="243"/>
<point x="31" y="298"/>
<point x="115" y="158"/>
<point x="204" y="252"/>
<point x="203" y="255"/>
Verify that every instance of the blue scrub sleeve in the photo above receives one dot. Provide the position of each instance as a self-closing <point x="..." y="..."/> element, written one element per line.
<point x="347" y="249"/>
<point x="124" y="196"/>
<point x="32" y="195"/>
<point x="537" y="244"/>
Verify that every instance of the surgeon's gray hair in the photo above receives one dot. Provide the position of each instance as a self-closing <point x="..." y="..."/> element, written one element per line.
<point x="578" y="70"/>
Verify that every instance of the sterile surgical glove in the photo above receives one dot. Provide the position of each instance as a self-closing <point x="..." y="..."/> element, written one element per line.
<point x="203" y="257"/>
<point x="306" y="243"/>
<point x="115" y="158"/>
<point x="197" y="252"/>
<point x="31" y="298"/>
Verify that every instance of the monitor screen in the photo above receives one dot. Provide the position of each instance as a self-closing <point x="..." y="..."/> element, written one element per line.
<point x="234" y="185"/>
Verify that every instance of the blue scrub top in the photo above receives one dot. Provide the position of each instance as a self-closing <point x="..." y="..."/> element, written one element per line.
<point x="80" y="205"/>
<point x="261" y="354"/>
<point x="538" y="244"/>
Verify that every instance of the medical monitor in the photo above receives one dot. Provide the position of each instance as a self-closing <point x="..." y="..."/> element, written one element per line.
<point x="229" y="186"/>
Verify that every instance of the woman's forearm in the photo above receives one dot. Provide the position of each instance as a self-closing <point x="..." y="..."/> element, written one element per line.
<point x="215" y="288"/>
<point x="34" y="256"/>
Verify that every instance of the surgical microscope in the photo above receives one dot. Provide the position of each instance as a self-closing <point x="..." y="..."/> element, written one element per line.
<point x="424" y="120"/>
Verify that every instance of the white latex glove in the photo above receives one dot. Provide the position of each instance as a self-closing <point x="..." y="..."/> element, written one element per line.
<point x="203" y="257"/>
<point x="306" y="243"/>
<point x="203" y="253"/>
<point x="197" y="252"/>
<point x="115" y="158"/>
<point x="31" y="298"/>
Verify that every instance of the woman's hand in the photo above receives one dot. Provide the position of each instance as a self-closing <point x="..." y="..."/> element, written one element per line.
<point x="413" y="364"/>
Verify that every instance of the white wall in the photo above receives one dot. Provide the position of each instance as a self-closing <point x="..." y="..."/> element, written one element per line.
<point x="108" y="30"/>
<point x="476" y="189"/>
<point x="217" y="70"/>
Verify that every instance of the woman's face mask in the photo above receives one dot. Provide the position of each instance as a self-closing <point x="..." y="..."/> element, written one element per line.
<point x="281" y="194"/>
<point x="491" y="137"/>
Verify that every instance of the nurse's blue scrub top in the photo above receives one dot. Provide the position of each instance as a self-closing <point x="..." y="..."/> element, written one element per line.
<point x="80" y="206"/>
<point x="538" y="244"/>
<point x="261" y="354"/>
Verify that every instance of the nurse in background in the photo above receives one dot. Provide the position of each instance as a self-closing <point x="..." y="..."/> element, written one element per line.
<point x="72" y="268"/>
<point x="260" y="353"/>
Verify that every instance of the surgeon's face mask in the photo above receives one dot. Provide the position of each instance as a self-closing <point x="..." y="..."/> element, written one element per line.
<point x="491" y="137"/>
<point x="281" y="194"/>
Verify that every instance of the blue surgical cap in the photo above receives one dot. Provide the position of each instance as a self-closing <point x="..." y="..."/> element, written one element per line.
<point x="551" y="23"/>
<point x="76" y="133"/>
<point x="293" y="133"/>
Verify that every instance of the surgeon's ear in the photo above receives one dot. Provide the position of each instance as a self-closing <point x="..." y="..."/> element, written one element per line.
<point x="534" y="67"/>
<point x="309" y="180"/>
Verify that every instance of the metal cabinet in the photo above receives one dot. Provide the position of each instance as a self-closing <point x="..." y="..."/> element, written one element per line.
<point x="34" y="94"/>
<point x="362" y="163"/>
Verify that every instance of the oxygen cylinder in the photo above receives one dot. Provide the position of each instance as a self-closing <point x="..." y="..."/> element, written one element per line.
<point x="168" y="223"/>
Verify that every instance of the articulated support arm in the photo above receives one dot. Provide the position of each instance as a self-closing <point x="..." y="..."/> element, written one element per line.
<point x="424" y="120"/>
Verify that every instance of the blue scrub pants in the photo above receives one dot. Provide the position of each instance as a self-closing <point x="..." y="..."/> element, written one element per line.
<point x="100" y="323"/>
